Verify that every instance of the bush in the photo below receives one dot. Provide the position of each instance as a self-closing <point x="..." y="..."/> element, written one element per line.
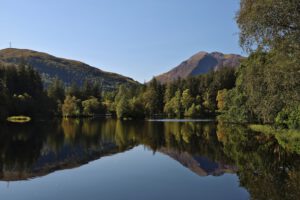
<point x="289" y="117"/>
<point x="193" y="111"/>
<point x="71" y="107"/>
<point x="234" y="107"/>
<point x="91" y="106"/>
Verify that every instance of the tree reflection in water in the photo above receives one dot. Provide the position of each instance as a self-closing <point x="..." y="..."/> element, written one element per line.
<point x="265" y="169"/>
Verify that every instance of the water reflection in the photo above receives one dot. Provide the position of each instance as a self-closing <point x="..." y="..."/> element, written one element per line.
<point x="264" y="168"/>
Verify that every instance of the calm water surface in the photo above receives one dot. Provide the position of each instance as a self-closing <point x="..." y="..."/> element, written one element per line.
<point x="110" y="159"/>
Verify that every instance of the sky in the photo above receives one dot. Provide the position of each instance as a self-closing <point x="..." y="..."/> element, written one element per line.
<point x="135" y="38"/>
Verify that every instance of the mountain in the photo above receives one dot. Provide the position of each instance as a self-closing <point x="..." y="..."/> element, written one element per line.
<point x="49" y="161"/>
<point x="200" y="63"/>
<point x="200" y="165"/>
<point x="68" y="71"/>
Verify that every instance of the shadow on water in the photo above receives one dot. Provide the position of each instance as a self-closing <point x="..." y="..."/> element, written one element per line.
<point x="264" y="168"/>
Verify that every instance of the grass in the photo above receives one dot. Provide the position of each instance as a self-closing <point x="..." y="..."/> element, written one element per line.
<point x="289" y="139"/>
<point x="19" y="119"/>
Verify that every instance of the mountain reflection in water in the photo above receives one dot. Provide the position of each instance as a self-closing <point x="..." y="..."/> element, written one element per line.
<point x="264" y="168"/>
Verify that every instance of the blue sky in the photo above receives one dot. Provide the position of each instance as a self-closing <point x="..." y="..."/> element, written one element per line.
<point x="136" y="38"/>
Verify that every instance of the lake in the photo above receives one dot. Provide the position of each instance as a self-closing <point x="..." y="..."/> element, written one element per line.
<point x="159" y="159"/>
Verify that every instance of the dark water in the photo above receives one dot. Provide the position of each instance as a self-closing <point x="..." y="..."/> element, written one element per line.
<point x="109" y="159"/>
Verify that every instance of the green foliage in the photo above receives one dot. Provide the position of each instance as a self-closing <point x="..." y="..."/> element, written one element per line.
<point x="287" y="138"/>
<point x="122" y="102"/>
<point x="221" y="99"/>
<point x="153" y="97"/>
<point x="171" y="88"/>
<point x="193" y="111"/>
<point x="68" y="71"/>
<point x="129" y="103"/>
<point x="56" y="93"/>
<point x="174" y="107"/>
<point x="268" y="79"/>
<point x="4" y="101"/>
<point x="56" y="90"/>
<point x="90" y="94"/>
<point x="268" y="82"/>
<point x="23" y="79"/>
<point x="186" y="100"/>
<point x="109" y="101"/>
<point x="269" y="24"/>
<point x="74" y="90"/>
<point x="91" y="106"/>
<point x="200" y="91"/>
<point x="122" y="108"/>
<point x="289" y="117"/>
<point x="21" y="92"/>
<point x="209" y="101"/>
<point x="71" y="107"/>
<point x="136" y="107"/>
<point x="23" y="104"/>
<point x="235" y="109"/>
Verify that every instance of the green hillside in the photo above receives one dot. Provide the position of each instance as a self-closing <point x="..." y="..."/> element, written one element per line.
<point x="69" y="71"/>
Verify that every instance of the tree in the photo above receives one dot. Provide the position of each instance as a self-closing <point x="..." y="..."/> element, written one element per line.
<point x="56" y="93"/>
<point x="97" y="90"/>
<point x="87" y="89"/>
<point x="122" y="102"/>
<point x="123" y="91"/>
<point x="268" y="81"/>
<point x="71" y="107"/>
<point x="171" y="88"/>
<point x="221" y="99"/>
<point x="4" y="101"/>
<point x="209" y="101"/>
<point x="235" y="109"/>
<point x="186" y="100"/>
<point x="74" y="90"/>
<point x="269" y="24"/>
<point x="56" y="90"/>
<point x="174" y="107"/>
<point x="91" y="106"/>
<point x="289" y="117"/>
<point x="22" y="104"/>
<point x="154" y="98"/>
<point x="136" y="107"/>
<point x="109" y="101"/>
<point x="193" y="111"/>
<point x="122" y="108"/>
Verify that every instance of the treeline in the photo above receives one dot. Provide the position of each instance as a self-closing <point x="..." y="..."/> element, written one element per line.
<point x="268" y="82"/>
<point x="191" y="97"/>
<point x="22" y="93"/>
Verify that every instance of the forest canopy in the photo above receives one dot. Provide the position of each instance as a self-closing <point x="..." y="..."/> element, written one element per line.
<point x="268" y="82"/>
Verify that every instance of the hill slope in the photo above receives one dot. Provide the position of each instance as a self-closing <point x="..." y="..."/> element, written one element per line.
<point x="200" y="63"/>
<point x="68" y="71"/>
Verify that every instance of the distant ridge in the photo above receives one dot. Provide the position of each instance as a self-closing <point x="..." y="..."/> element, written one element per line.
<point x="200" y="63"/>
<point x="69" y="71"/>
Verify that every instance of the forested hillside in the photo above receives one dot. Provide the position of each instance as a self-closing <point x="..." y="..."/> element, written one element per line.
<point x="69" y="71"/>
<point x="22" y="93"/>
